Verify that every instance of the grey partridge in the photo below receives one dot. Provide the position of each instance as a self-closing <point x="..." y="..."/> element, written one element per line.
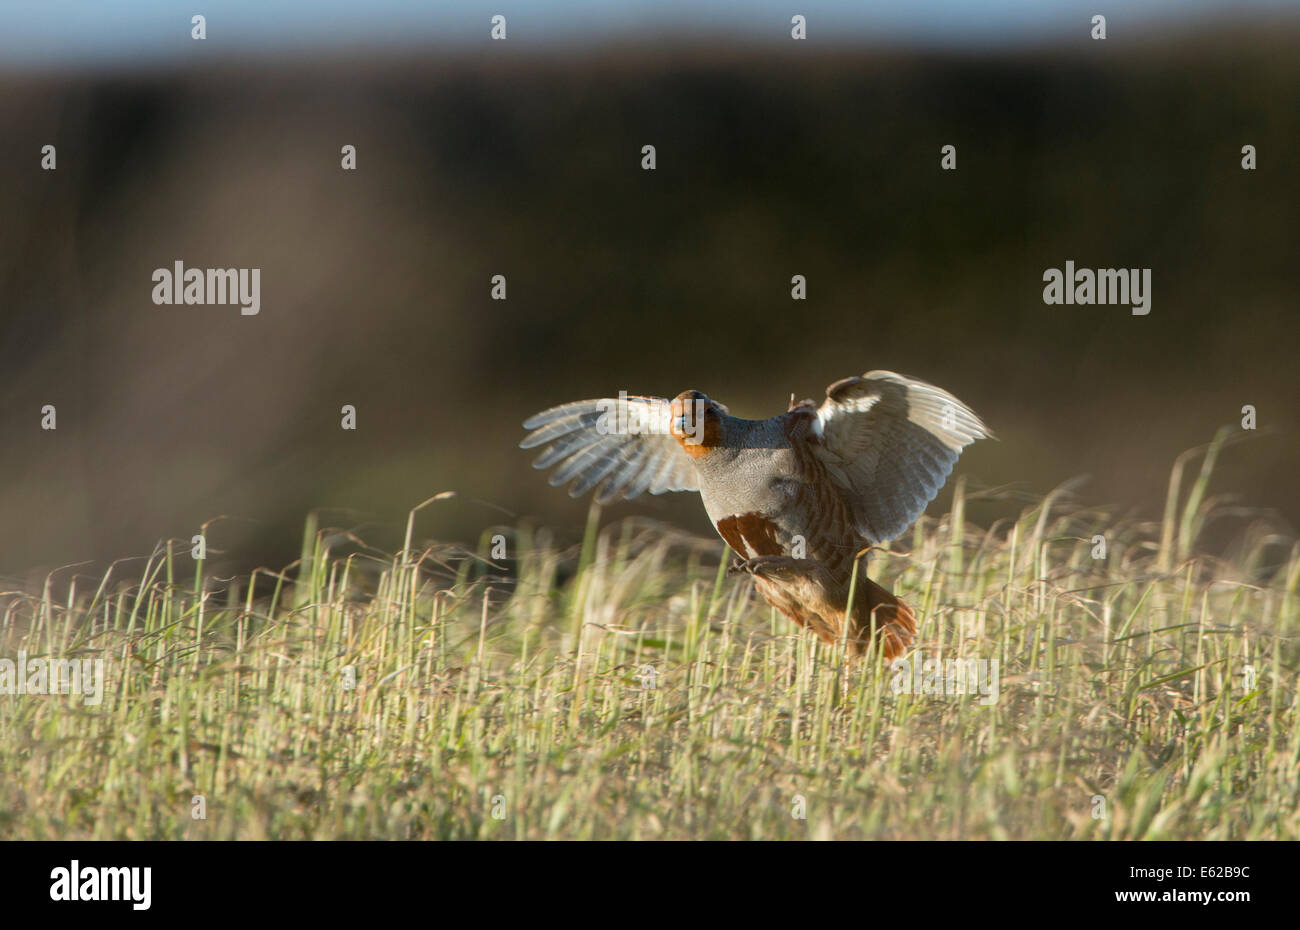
<point x="797" y="496"/>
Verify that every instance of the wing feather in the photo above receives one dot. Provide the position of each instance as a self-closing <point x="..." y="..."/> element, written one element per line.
<point x="621" y="446"/>
<point x="890" y="442"/>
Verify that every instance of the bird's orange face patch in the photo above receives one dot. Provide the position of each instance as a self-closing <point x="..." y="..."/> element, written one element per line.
<point x="695" y="423"/>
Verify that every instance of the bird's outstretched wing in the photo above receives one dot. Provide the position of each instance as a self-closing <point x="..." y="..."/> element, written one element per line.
<point x="890" y="442"/>
<point x="621" y="444"/>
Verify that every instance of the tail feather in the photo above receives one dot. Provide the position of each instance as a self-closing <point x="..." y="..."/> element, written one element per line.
<point x="804" y="591"/>
<point x="877" y="609"/>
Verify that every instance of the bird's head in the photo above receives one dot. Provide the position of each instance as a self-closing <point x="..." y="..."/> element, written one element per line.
<point x="696" y="422"/>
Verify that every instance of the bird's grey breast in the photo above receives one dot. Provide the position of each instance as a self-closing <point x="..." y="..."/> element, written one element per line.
<point x="759" y="473"/>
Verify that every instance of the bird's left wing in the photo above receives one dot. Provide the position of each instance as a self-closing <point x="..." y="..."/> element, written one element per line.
<point x="890" y="442"/>
<point x="622" y="444"/>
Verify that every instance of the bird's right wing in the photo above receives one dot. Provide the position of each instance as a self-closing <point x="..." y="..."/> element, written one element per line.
<point x="622" y="444"/>
<point x="890" y="442"/>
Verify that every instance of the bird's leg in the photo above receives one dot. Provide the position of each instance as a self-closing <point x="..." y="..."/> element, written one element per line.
<point x="741" y="566"/>
<point x="765" y="566"/>
<point x="758" y="564"/>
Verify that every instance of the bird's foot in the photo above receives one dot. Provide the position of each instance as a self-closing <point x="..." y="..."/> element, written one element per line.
<point x="757" y="565"/>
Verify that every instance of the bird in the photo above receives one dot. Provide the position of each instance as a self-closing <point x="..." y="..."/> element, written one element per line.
<point x="799" y="497"/>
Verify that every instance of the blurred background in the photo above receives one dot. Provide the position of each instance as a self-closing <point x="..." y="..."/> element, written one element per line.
<point x="523" y="158"/>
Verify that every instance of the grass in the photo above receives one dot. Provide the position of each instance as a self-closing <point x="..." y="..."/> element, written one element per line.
<point x="629" y="689"/>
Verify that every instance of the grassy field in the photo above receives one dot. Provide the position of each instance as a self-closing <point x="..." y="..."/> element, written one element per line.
<point x="629" y="688"/>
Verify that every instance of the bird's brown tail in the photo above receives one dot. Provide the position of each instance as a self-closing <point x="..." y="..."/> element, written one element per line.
<point x="877" y="609"/>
